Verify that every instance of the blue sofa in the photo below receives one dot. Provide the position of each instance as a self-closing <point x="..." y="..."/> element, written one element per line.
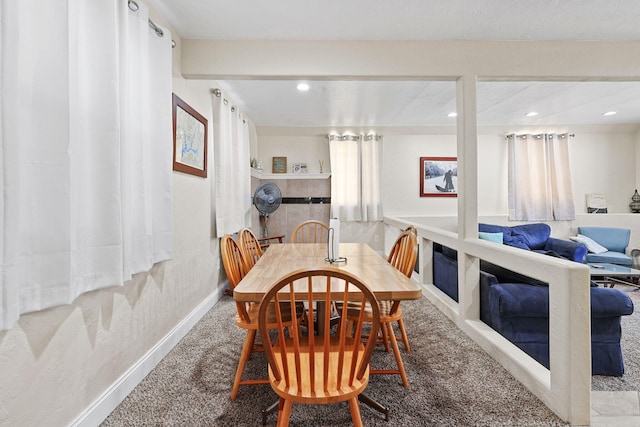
<point x="615" y="240"/>
<point x="537" y="237"/>
<point x="517" y="307"/>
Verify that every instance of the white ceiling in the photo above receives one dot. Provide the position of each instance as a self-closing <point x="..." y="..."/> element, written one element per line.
<point x="411" y="103"/>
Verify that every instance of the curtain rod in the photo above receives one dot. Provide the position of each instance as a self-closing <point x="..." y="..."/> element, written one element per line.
<point x="217" y="92"/>
<point x="351" y="137"/>
<point x="538" y="135"/>
<point x="134" y="7"/>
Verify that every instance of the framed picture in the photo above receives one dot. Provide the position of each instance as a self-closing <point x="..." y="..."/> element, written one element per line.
<point x="297" y="168"/>
<point x="438" y="176"/>
<point x="279" y="165"/>
<point x="189" y="139"/>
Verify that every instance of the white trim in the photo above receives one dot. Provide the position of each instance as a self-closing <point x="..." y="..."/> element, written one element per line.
<point x="100" y="409"/>
<point x="566" y="387"/>
<point x="263" y="175"/>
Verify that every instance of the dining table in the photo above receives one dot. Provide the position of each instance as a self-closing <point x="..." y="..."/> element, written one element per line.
<point x="359" y="259"/>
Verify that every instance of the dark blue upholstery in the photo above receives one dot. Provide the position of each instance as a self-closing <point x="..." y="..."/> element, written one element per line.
<point x="517" y="307"/>
<point x="537" y="237"/>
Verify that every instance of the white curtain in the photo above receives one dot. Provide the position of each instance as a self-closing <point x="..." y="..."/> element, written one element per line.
<point x="86" y="150"/>
<point x="540" y="178"/>
<point x="356" y="162"/>
<point x="232" y="131"/>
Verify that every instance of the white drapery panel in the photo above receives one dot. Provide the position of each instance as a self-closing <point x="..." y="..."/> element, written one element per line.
<point x="231" y="139"/>
<point x="86" y="150"/>
<point x="356" y="162"/>
<point x="540" y="178"/>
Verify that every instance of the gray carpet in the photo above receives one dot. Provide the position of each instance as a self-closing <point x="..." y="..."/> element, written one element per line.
<point x="452" y="383"/>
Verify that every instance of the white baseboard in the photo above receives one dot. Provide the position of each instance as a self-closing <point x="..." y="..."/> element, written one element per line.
<point x="100" y="409"/>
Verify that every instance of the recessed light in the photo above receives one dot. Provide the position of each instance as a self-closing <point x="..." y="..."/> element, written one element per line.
<point x="609" y="113"/>
<point x="531" y="114"/>
<point x="454" y="114"/>
<point x="302" y="87"/>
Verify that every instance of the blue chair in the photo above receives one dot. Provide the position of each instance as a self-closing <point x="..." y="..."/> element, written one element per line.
<point x="614" y="239"/>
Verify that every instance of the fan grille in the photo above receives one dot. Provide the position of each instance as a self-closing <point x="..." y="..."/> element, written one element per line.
<point x="267" y="198"/>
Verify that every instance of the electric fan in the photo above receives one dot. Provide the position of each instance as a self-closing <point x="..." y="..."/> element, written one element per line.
<point x="267" y="199"/>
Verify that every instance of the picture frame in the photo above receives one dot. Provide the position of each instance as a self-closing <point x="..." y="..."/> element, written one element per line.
<point x="438" y="176"/>
<point x="596" y="203"/>
<point x="279" y="165"/>
<point x="297" y="168"/>
<point x="190" y="139"/>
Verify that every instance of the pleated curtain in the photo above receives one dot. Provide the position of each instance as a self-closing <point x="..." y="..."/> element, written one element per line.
<point x="540" y="178"/>
<point x="85" y="119"/>
<point x="356" y="162"/>
<point x="232" y="131"/>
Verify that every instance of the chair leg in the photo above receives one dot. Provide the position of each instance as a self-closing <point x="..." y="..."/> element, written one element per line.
<point x="385" y="337"/>
<point x="285" y="413"/>
<point x="247" y="349"/>
<point x="403" y="331"/>
<point x="354" y="406"/>
<point x="396" y="352"/>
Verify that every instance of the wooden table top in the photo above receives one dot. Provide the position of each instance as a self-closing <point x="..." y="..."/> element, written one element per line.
<point x="382" y="278"/>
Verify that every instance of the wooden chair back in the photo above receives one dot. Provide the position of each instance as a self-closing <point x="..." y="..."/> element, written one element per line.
<point x="236" y="268"/>
<point x="311" y="231"/>
<point x="404" y="252"/>
<point x="321" y="368"/>
<point x="250" y="247"/>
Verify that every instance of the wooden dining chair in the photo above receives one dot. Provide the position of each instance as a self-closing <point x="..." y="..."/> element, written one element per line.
<point x="317" y="369"/>
<point x="247" y="313"/>
<point x="249" y="246"/>
<point x="403" y="257"/>
<point x="311" y="231"/>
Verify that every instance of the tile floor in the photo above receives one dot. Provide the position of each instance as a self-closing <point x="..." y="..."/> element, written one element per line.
<point x="615" y="409"/>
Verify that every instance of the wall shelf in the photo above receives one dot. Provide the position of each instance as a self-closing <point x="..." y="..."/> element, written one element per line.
<point x="261" y="175"/>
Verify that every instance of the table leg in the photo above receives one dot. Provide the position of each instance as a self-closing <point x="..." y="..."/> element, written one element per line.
<point x="611" y="281"/>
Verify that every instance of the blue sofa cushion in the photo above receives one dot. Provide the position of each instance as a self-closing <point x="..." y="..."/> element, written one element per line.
<point x="534" y="235"/>
<point x="611" y="258"/>
<point x="491" y="237"/>
<point x="517" y="240"/>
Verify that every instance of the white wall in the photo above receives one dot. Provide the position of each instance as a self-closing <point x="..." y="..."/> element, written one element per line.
<point x="300" y="148"/>
<point x="603" y="160"/>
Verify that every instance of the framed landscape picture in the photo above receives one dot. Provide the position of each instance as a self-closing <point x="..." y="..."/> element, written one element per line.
<point x="438" y="176"/>
<point x="189" y="139"/>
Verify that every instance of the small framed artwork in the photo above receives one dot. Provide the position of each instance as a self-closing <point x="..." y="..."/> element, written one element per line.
<point x="297" y="168"/>
<point x="438" y="176"/>
<point x="596" y="203"/>
<point x="189" y="139"/>
<point x="279" y="165"/>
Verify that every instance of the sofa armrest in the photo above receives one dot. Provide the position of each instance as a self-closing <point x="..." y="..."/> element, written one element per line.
<point x="608" y="302"/>
<point x="487" y="281"/>
<point x="567" y="248"/>
<point x="521" y="300"/>
<point x="518" y="300"/>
